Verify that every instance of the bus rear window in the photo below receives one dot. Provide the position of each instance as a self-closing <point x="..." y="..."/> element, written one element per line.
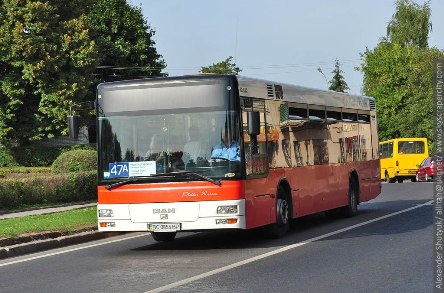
<point x="410" y="147"/>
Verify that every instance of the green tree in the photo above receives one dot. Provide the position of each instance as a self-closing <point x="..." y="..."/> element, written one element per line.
<point x="125" y="41"/>
<point x="398" y="73"/>
<point x="46" y="57"/>
<point x="337" y="83"/>
<point x="49" y="52"/>
<point x="224" y="67"/>
<point x="410" y="24"/>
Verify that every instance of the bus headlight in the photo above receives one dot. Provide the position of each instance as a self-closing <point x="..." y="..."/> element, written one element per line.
<point x="106" y="213"/>
<point x="227" y="209"/>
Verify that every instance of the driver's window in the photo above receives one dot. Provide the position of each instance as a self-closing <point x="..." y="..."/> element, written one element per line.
<point x="256" y="159"/>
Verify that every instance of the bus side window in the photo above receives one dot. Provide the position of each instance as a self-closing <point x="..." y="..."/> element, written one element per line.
<point x="255" y="138"/>
<point x="384" y="150"/>
<point x="390" y="150"/>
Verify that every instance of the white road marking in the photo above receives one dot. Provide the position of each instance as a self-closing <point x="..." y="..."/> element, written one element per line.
<point x="277" y="251"/>
<point x="71" y="250"/>
<point x="222" y="269"/>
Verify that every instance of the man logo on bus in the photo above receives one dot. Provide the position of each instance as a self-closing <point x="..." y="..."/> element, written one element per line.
<point x="164" y="211"/>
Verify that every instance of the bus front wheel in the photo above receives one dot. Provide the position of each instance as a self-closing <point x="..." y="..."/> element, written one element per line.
<point x="163" y="236"/>
<point x="388" y="179"/>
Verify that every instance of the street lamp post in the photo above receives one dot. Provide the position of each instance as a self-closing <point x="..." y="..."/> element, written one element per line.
<point x="320" y="70"/>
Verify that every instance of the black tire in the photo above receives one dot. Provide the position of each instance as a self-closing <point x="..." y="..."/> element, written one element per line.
<point x="400" y="180"/>
<point x="388" y="179"/>
<point x="351" y="209"/>
<point x="163" y="236"/>
<point x="283" y="215"/>
<point x="414" y="179"/>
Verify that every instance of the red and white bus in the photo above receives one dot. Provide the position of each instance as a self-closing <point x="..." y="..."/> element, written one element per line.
<point x="299" y="151"/>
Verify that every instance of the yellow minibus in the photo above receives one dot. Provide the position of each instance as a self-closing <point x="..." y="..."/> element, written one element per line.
<point x="400" y="158"/>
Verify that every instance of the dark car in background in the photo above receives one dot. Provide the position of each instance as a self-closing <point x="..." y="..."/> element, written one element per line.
<point x="426" y="169"/>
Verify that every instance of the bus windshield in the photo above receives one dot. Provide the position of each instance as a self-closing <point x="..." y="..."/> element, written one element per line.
<point x="142" y="146"/>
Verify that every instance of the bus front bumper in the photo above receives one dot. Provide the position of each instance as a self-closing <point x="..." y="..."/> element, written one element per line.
<point x="179" y="216"/>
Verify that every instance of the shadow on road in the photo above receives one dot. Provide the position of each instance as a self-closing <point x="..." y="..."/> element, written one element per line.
<point x="305" y="228"/>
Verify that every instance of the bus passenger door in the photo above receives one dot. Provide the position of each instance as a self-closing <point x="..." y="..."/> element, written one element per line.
<point x="259" y="194"/>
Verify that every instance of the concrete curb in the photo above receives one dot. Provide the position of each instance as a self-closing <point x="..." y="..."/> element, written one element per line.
<point x="41" y="245"/>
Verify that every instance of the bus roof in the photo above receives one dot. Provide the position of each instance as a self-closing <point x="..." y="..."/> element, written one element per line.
<point x="404" y="139"/>
<point x="265" y="89"/>
<point x="304" y="95"/>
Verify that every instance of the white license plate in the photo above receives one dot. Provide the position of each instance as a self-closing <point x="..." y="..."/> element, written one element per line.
<point x="163" y="227"/>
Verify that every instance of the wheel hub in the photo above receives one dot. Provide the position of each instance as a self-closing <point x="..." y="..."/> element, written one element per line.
<point x="282" y="211"/>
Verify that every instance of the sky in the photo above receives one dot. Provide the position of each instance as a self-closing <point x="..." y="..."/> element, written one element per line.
<point x="278" y="40"/>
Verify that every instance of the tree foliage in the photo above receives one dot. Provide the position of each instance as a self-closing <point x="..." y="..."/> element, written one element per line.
<point x="125" y="41"/>
<point x="400" y="80"/>
<point x="398" y="73"/>
<point x="337" y="83"/>
<point x="410" y="24"/>
<point x="224" y="67"/>
<point x="46" y="57"/>
<point x="49" y="52"/>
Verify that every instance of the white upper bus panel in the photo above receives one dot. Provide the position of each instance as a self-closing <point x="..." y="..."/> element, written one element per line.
<point x="164" y="94"/>
<point x="249" y="87"/>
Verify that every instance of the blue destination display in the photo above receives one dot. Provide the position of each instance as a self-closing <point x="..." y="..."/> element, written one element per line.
<point x="130" y="169"/>
<point x="120" y="169"/>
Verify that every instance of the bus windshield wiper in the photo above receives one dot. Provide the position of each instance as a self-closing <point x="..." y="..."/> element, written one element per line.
<point x="163" y="175"/>
<point x="133" y="179"/>
<point x="197" y="175"/>
<point x="120" y="183"/>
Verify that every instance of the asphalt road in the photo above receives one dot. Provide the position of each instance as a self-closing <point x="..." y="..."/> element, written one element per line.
<point x="386" y="248"/>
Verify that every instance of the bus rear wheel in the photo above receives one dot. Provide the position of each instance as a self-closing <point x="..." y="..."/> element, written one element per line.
<point x="353" y="196"/>
<point x="283" y="216"/>
<point x="163" y="236"/>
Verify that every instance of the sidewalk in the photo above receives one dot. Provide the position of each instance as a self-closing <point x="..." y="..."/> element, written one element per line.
<point x="46" y="240"/>
<point x="46" y="211"/>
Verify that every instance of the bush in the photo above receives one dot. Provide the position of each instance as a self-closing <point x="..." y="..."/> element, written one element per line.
<point x="75" y="161"/>
<point x="36" y="156"/>
<point x="51" y="189"/>
<point x="7" y="158"/>
<point x="13" y="172"/>
<point x="39" y="155"/>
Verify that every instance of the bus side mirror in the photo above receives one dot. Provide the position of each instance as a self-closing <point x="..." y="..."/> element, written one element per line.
<point x="254" y="126"/>
<point x="73" y="126"/>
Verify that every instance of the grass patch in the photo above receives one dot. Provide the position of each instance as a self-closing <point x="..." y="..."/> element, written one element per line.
<point x="65" y="222"/>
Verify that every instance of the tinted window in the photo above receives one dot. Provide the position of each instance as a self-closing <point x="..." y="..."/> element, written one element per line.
<point x="410" y="147"/>
<point x="297" y="113"/>
<point x="386" y="150"/>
